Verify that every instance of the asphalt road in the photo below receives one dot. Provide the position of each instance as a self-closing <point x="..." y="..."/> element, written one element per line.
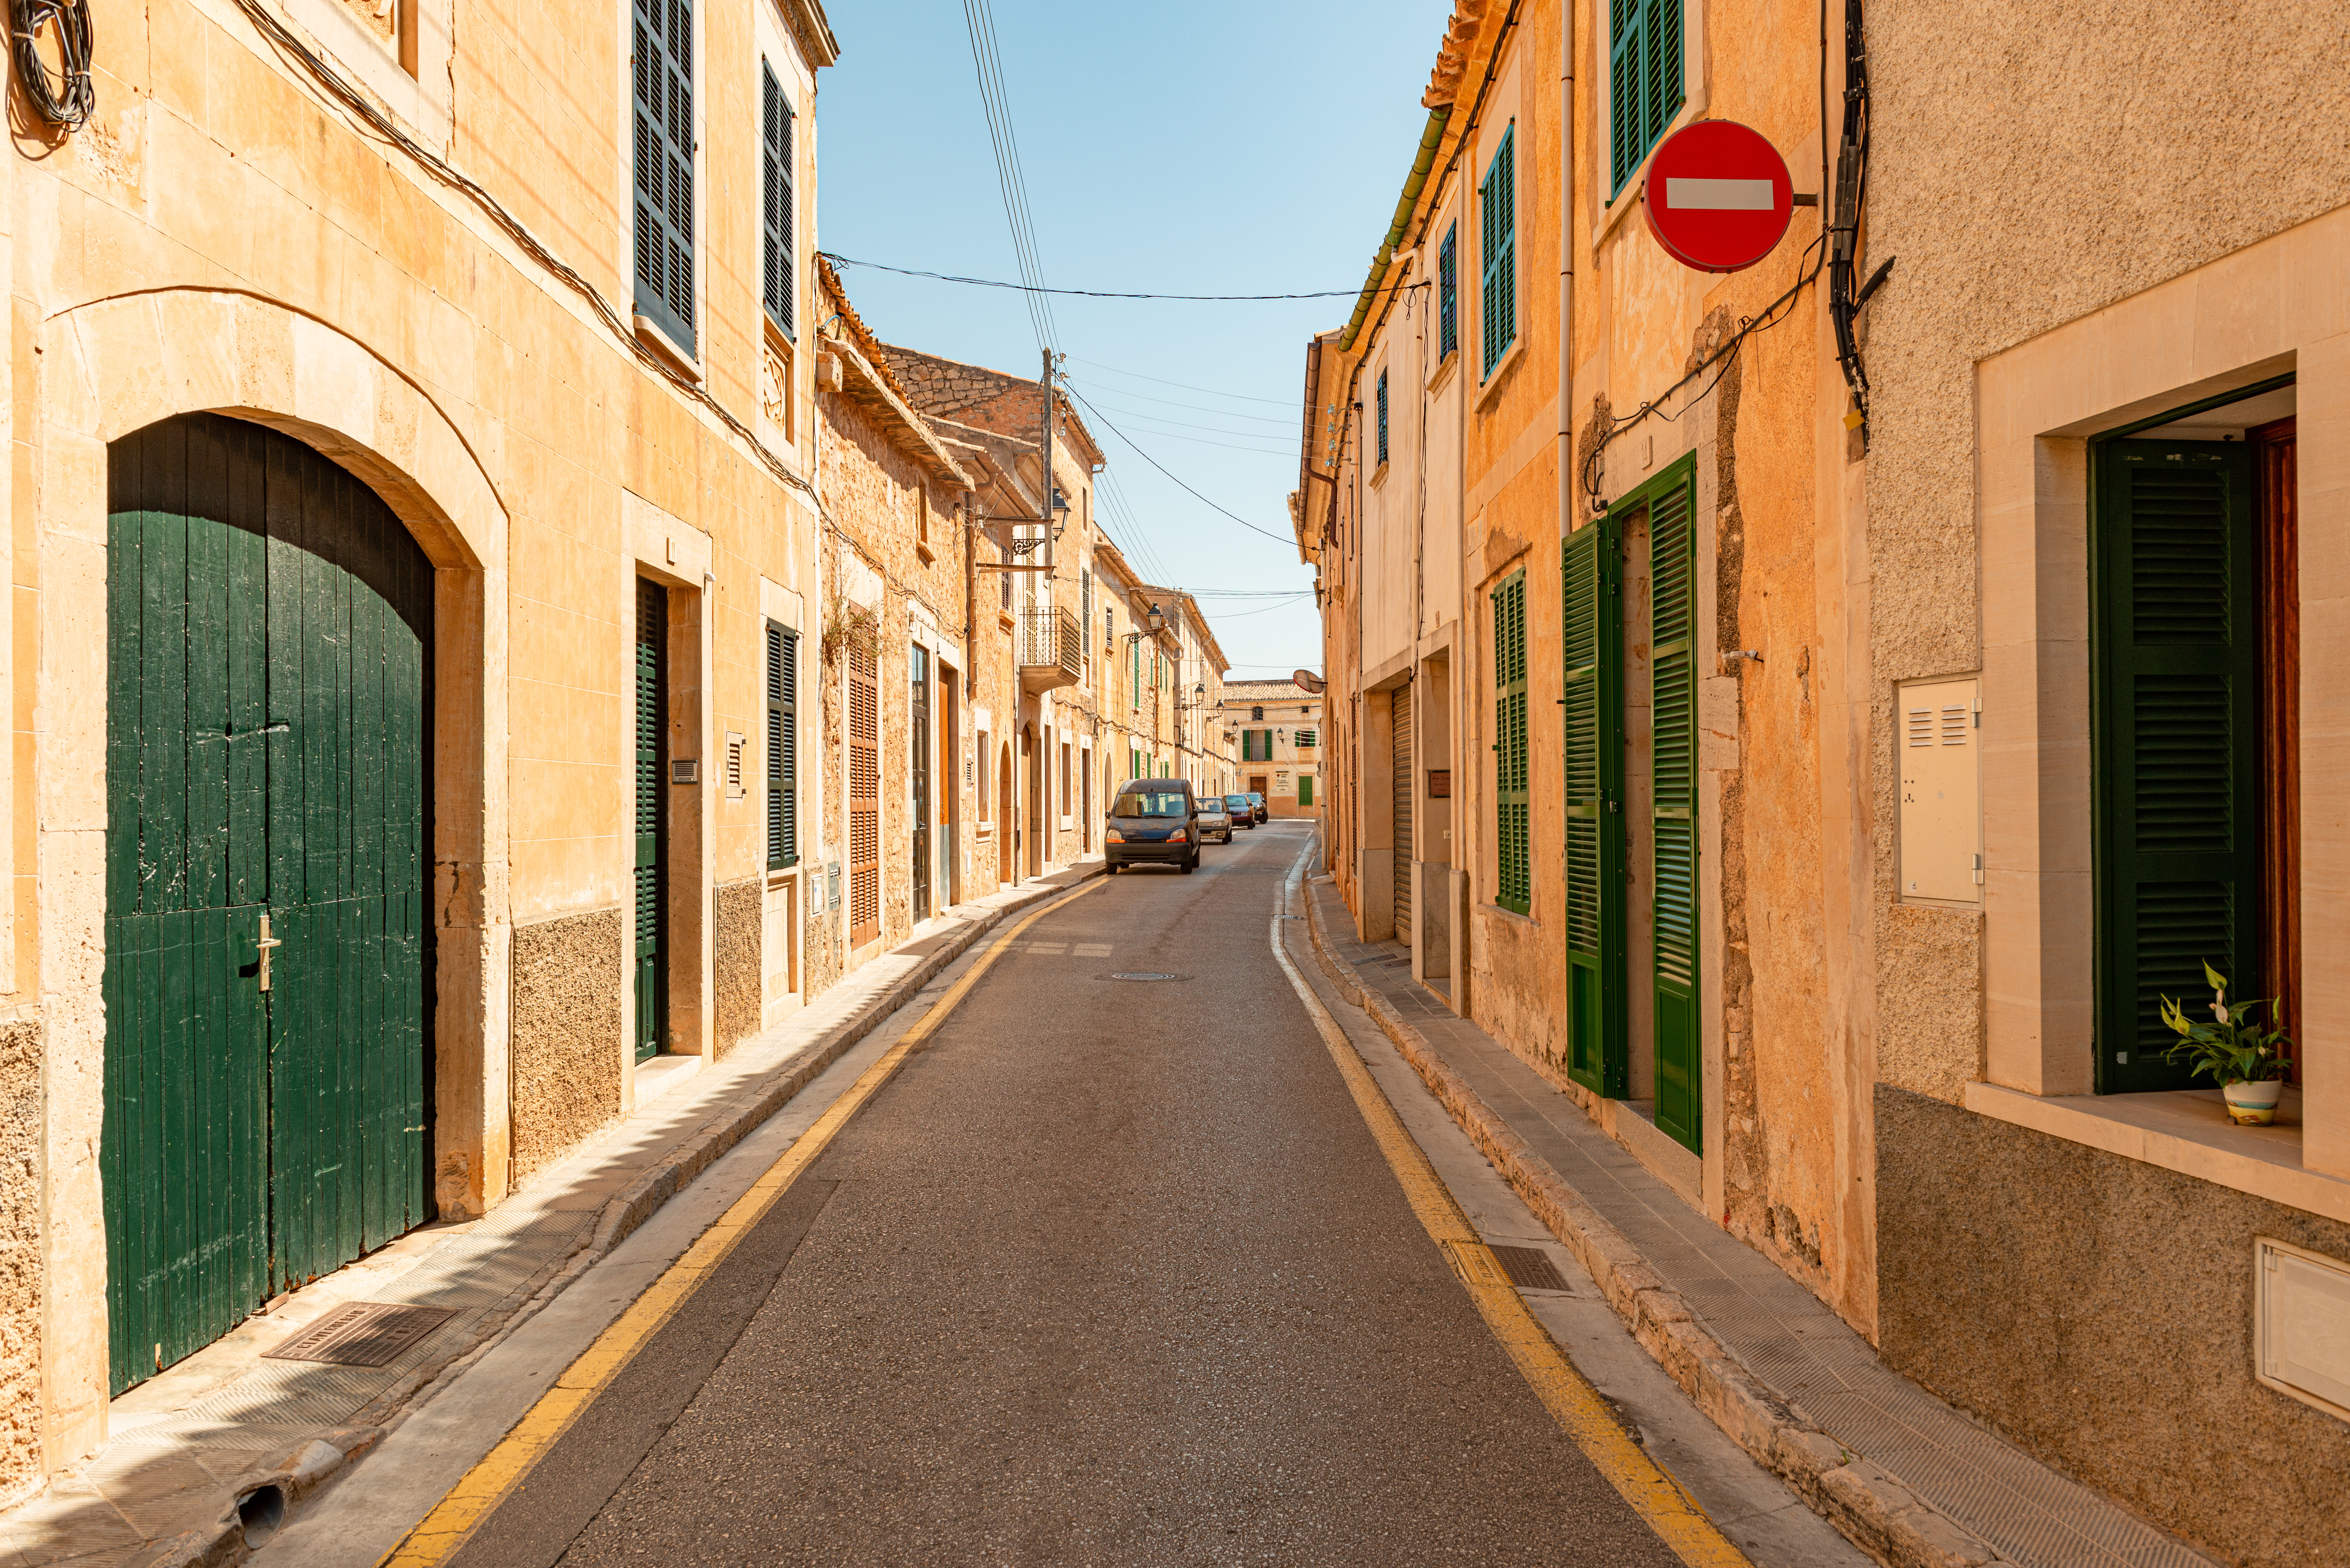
<point x="1112" y="1273"/>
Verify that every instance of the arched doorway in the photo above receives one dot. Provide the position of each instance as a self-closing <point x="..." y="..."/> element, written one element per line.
<point x="270" y="632"/>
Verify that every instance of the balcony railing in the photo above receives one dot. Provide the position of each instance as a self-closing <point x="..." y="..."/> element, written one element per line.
<point x="1052" y="648"/>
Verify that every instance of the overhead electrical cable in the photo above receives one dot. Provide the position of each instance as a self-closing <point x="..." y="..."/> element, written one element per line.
<point x="1212" y="391"/>
<point x="839" y="260"/>
<point x="996" y="103"/>
<point x="1285" y="425"/>
<point x="1171" y="474"/>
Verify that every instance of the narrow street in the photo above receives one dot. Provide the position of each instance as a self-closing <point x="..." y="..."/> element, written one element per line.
<point x="1112" y="1271"/>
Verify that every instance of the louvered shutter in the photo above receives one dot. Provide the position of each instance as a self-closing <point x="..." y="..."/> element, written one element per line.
<point x="1644" y="75"/>
<point x="2177" y="635"/>
<point x="664" y="165"/>
<point x="1592" y="575"/>
<point x="1515" y="879"/>
<point x="1497" y="204"/>
<point x="1383" y="419"/>
<point x="1672" y="711"/>
<point x="783" y="747"/>
<point x="864" y="795"/>
<point x="652" y="820"/>
<point x="775" y="202"/>
<point x="1448" y="293"/>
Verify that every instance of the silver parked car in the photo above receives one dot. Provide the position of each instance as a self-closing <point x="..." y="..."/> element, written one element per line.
<point x="1215" y="821"/>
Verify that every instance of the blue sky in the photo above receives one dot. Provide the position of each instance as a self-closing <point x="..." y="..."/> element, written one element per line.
<point x="1205" y="148"/>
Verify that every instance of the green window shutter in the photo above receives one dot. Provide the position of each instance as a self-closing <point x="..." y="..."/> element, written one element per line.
<point x="1644" y="81"/>
<point x="1383" y="419"/>
<point x="1304" y="790"/>
<point x="777" y="290"/>
<point x="1448" y="293"/>
<point x="1592" y="574"/>
<point x="664" y="165"/>
<point x="1514" y="882"/>
<point x="1497" y="204"/>
<point x="1672" y="711"/>
<point x="2176" y="633"/>
<point x="783" y="747"/>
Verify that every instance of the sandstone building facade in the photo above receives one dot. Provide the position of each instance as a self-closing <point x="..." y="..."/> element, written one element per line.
<point x="1865" y="684"/>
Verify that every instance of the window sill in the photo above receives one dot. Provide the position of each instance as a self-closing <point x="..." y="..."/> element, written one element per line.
<point x="667" y="348"/>
<point x="2185" y="1130"/>
<point x="1443" y="372"/>
<point x="922" y="552"/>
<point x="1492" y="387"/>
<point x="1503" y="912"/>
<point x="1379" y="475"/>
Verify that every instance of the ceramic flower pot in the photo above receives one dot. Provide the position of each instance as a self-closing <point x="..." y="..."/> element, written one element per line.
<point x="2254" y="1105"/>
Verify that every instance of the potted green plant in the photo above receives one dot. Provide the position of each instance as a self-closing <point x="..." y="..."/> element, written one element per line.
<point x="2247" y="1061"/>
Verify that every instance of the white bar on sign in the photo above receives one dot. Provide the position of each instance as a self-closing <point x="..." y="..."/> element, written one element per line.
<point x="1720" y="195"/>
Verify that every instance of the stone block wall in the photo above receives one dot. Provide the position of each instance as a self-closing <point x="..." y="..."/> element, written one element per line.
<point x="2098" y="1309"/>
<point x="737" y="935"/>
<point x="569" y="1034"/>
<point x="20" y="1258"/>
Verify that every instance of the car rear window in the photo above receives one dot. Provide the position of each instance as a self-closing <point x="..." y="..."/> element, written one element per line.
<point x="1236" y="800"/>
<point x="1150" y="803"/>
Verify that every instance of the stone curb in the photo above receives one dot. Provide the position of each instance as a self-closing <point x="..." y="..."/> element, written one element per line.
<point x="223" y="1541"/>
<point x="1866" y="1503"/>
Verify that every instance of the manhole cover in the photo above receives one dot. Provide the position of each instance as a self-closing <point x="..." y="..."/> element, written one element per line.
<point x="1529" y="1268"/>
<point x="1147" y="974"/>
<point x="364" y="1333"/>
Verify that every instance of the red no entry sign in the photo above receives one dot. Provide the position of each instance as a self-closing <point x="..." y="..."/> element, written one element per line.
<point x="1718" y="196"/>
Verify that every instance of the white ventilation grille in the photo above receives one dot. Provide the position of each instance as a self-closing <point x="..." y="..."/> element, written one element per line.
<point x="1921" y="726"/>
<point x="1954" y="726"/>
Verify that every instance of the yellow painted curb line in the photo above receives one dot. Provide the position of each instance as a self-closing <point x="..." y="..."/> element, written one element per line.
<point x="1569" y="1396"/>
<point x="455" y="1517"/>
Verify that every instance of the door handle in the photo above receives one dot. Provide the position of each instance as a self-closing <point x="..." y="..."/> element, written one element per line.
<point x="264" y="943"/>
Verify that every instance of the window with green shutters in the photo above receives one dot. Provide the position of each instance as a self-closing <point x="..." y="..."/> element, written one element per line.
<point x="777" y="289"/>
<point x="1383" y="419"/>
<point x="664" y="165"/>
<point x="1673" y="829"/>
<point x="783" y="747"/>
<point x="1497" y="203"/>
<point x="2176" y="725"/>
<point x="1513" y="887"/>
<point x="1448" y="293"/>
<point x="1592" y="705"/>
<point x="1644" y="81"/>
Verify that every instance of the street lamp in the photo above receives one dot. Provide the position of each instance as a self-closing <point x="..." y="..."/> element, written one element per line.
<point x="1153" y="624"/>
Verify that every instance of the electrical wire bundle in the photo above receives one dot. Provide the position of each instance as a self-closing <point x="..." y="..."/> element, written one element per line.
<point x="63" y="95"/>
<point x="1851" y="195"/>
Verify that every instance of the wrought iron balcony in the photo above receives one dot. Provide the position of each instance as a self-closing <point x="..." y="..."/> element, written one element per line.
<point x="1052" y="648"/>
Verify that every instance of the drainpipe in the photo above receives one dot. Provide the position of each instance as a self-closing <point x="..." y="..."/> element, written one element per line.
<point x="1566" y="270"/>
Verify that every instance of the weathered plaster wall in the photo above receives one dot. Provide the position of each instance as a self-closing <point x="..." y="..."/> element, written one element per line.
<point x="736" y="981"/>
<point x="2156" y="144"/>
<point x="567" y="1035"/>
<point x="2099" y="1311"/>
<point x="20" y="1258"/>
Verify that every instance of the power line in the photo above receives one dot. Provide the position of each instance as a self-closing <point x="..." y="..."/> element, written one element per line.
<point x="1212" y="391"/>
<point x="839" y="260"/>
<point x="1283" y="430"/>
<point x="995" y="102"/>
<point x="1171" y="474"/>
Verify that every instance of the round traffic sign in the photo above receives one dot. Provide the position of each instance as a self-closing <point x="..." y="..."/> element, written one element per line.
<point x="1718" y="196"/>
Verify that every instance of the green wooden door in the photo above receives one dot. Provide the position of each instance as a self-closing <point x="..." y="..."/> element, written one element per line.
<point x="652" y="822"/>
<point x="1592" y="596"/>
<point x="269" y="634"/>
<point x="2177" y="722"/>
<point x="1672" y="709"/>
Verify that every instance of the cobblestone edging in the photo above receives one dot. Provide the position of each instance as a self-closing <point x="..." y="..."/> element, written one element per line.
<point x="1866" y="1504"/>
<point x="229" y="1538"/>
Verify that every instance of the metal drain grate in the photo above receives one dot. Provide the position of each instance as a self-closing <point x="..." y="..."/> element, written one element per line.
<point x="364" y="1333"/>
<point x="1147" y="974"/>
<point x="1529" y="1268"/>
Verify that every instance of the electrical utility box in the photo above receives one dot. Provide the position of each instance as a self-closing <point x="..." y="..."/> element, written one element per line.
<point x="1940" y="749"/>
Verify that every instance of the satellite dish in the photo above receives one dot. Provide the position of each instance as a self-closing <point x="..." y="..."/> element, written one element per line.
<point x="1308" y="681"/>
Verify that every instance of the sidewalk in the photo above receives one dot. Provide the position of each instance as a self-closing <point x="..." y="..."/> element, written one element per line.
<point x="227" y="1424"/>
<point x="1908" y="1478"/>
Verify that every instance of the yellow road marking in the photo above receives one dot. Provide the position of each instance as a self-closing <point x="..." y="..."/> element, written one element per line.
<point x="455" y="1517"/>
<point x="1569" y="1396"/>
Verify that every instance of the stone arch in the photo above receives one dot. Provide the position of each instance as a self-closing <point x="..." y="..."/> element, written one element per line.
<point x="113" y="365"/>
